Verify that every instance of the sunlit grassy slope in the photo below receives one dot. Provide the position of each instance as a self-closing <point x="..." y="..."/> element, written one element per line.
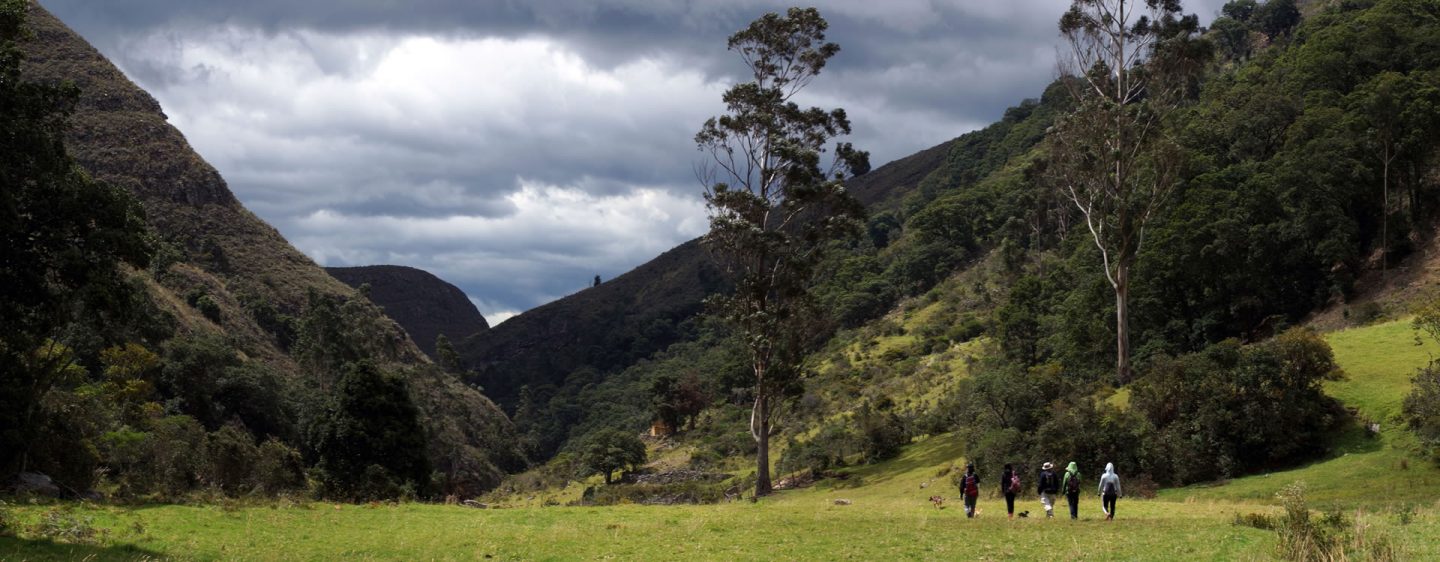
<point x="1364" y="472"/>
<point x="888" y="515"/>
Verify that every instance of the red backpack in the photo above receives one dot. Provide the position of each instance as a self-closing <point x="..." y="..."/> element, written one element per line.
<point x="972" y="489"/>
<point x="1014" y="482"/>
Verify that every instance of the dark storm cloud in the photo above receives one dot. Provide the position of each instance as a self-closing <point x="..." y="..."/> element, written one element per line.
<point x="517" y="148"/>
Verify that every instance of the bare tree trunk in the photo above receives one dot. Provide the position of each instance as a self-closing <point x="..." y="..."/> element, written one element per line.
<point x="1122" y="323"/>
<point x="760" y="429"/>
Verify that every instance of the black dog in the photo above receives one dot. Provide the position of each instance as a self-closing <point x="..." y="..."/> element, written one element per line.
<point x="1024" y="514"/>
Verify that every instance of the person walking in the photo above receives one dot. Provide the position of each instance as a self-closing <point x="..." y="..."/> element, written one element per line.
<point x="1047" y="487"/>
<point x="1009" y="487"/>
<point x="1071" y="484"/>
<point x="1109" y="491"/>
<point x="970" y="489"/>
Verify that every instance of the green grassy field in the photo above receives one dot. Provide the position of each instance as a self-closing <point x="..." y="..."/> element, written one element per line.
<point x="1373" y="472"/>
<point x="1372" y="480"/>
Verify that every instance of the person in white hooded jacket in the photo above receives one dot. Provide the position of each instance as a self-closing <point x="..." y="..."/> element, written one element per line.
<point x="1109" y="490"/>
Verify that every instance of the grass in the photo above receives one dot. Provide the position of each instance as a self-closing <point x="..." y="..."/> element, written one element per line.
<point x="888" y="515"/>
<point x="889" y="518"/>
<point x="1376" y="472"/>
<point x="1379" y="361"/>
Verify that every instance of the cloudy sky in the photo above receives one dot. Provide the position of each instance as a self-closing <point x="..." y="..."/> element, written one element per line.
<point x="518" y="148"/>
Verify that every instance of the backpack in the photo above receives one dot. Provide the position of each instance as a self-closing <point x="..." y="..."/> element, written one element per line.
<point x="1109" y="488"/>
<point x="1014" y="482"/>
<point x="1072" y="484"/>
<point x="971" y="488"/>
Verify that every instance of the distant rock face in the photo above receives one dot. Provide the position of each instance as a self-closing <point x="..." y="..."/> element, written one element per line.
<point x="425" y="305"/>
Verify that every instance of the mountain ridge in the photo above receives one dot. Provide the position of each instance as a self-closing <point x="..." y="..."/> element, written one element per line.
<point x="425" y="305"/>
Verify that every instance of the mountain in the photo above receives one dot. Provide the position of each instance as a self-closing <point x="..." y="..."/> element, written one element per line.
<point x="223" y="273"/>
<point x="423" y="304"/>
<point x="603" y="327"/>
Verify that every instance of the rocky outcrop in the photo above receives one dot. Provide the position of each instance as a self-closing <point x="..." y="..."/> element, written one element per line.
<point x="425" y="305"/>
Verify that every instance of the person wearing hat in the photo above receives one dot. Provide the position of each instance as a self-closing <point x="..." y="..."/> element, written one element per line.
<point x="1047" y="486"/>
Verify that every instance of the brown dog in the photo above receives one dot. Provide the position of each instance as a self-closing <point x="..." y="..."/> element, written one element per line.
<point x="938" y="501"/>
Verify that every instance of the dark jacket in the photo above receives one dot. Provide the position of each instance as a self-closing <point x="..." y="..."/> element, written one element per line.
<point x="967" y="476"/>
<point x="1005" y="481"/>
<point x="1047" y="483"/>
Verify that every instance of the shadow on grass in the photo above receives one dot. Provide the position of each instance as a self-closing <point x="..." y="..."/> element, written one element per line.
<point x="12" y="548"/>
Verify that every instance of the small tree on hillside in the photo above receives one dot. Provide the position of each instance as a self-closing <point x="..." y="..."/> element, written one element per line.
<point x="771" y="204"/>
<point x="609" y="450"/>
<point x="369" y="443"/>
<point x="1128" y="68"/>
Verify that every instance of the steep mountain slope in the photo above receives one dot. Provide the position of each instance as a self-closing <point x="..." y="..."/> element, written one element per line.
<point x="216" y="249"/>
<point x="604" y="327"/>
<point x="423" y="304"/>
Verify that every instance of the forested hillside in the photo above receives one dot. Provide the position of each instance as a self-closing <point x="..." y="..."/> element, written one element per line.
<point x="193" y="347"/>
<point x="1308" y="157"/>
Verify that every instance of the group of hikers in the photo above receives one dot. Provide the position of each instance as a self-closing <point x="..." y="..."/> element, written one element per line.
<point x="1048" y="486"/>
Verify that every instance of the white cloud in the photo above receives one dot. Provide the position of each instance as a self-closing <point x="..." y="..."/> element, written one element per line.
<point x="370" y="134"/>
<point x="557" y="238"/>
<point x="494" y="312"/>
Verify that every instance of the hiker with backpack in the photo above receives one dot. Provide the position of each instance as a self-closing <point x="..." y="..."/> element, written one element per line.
<point x="1109" y="491"/>
<point x="970" y="488"/>
<point x="1071" y="484"/>
<point x="1047" y="487"/>
<point x="1010" y="487"/>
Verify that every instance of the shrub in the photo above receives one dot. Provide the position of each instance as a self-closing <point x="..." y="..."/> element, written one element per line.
<point x="1367" y="313"/>
<point x="231" y="455"/>
<point x="60" y="524"/>
<point x="1421" y="409"/>
<point x="691" y="492"/>
<point x="208" y="308"/>
<point x="608" y="450"/>
<point x="1332" y="536"/>
<point x="278" y="468"/>
<point x="704" y="459"/>
<point x="882" y="432"/>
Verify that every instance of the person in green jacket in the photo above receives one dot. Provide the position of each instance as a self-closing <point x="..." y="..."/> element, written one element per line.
<point x="1071" y="486"/>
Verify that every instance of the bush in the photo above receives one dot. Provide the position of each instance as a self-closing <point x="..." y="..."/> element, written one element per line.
<point x="60" y="524"/>
<point x="278" y="469"/>
<point x="826" y="450"/>
<point x="1332" y="536"/>
<point x="1421" y="409"/>
<point x="882" y="432"/>
<point x="691" y="492"/>
<point x="704" y="459"/>
<point x="608" y="450"/>
<point x="231" y="456"/>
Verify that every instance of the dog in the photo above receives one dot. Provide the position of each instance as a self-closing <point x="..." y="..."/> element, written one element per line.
<point x="938" y="501"/>
<point x="1024" y="514"/>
